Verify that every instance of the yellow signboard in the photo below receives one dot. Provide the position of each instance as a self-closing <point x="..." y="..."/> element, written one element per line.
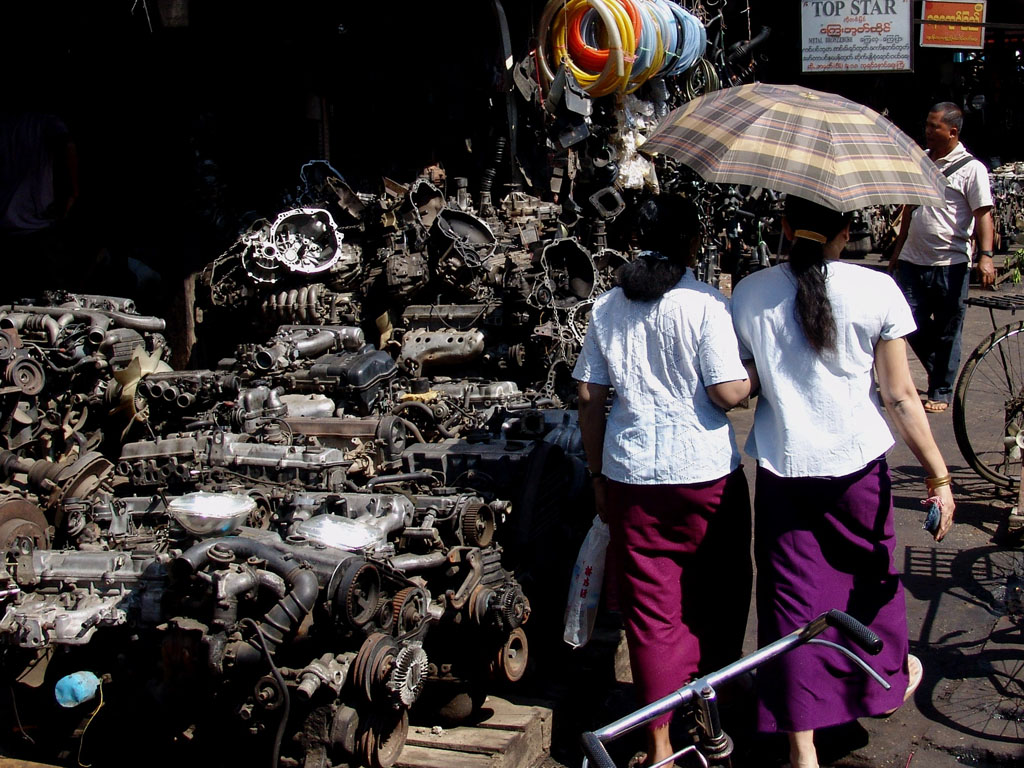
<point x="968" y="34"/>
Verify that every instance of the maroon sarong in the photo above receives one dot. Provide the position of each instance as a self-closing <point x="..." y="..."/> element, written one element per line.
<point x="682" y="554"/>
<point x="823" y="543"/>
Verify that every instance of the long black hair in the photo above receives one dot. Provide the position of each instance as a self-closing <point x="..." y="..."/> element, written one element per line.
<point x="665" y="228"/>
<point x="813" y="221"/>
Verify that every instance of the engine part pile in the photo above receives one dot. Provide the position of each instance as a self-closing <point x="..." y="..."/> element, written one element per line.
<point x="370" y="479"/>
<point x="499" y="291"/>
<point x="301" y="539"/>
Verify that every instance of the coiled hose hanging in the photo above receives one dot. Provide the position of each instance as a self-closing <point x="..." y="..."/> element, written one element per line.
<point x="642" y="39"/>
<point x="552" y="27"/>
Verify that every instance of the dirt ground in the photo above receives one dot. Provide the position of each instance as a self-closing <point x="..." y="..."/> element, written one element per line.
<point x="969" y="709"/>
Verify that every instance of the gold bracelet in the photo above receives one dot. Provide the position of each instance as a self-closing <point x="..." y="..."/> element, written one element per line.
<point x="937" y="482"/>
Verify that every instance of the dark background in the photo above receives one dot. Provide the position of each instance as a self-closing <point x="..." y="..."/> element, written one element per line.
<point x="183" y="129"/>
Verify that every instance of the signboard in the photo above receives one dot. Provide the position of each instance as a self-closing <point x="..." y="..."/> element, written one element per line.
<point x="857" y="35"/>
<point x="952" y="35"/>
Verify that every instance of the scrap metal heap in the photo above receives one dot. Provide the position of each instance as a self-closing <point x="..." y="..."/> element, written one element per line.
<point x="502" y="291"/>
<point x="301" y="538"/>
<point x="362" y="493"/>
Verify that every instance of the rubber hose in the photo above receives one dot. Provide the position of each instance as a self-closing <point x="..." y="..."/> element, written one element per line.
<point x="285" y="615"/>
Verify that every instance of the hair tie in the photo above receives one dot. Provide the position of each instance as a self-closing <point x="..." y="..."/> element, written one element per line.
<point x="806" y="234"/>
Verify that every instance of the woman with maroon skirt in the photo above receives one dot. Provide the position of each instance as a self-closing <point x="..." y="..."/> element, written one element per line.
<point x="665" y="466"/>
<point x="816" y="329"/>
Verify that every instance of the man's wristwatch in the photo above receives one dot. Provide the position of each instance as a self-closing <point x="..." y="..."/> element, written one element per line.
<point x="592" y="475"/>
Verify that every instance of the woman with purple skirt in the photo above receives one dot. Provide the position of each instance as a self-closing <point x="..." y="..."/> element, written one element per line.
<point x="664" y="462"/>
<point x="816" y="328"/>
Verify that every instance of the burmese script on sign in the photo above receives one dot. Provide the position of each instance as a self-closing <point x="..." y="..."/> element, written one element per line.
<point x="967" y="34"/>
<point x="857" y="35"/>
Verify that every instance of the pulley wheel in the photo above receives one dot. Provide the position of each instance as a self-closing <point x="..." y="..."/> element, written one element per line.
<point x="410" y="610"/>
<point x="27" y="375"/>
<point x="477" y="525"/>
<point x="513" y="656"/>
<point x="383" y="738"/>
<point x="358" y="593"/>
<point x="23" y="527"/>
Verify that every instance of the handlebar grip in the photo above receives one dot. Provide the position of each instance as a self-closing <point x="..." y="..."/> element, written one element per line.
<point x="595" y="751"/>
<point x="738" y="50"/>
<point x="854" y="630"/>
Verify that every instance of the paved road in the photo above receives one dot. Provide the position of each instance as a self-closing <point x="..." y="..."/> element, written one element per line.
<point x="970" y="706"/>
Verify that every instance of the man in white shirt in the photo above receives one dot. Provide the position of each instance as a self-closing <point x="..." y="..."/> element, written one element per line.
<point x="932" y="256"/>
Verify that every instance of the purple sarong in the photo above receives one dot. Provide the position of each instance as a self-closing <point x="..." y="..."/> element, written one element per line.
<point x="823" y="543"/>
<point x="682" y="557"/>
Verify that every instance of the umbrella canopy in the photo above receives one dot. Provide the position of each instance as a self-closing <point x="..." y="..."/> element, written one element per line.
<point x="803" y="142"/>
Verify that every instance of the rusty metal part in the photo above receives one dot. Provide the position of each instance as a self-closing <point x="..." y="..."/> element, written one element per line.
<point x="372" y="664"/>
<point x="357" y="596"/>
<point x="513" y="656"/>
<point x="27" y="375"/>
<point x="410" y="610"/>
<point x="23" y="527"/>
<point x="345" y="729"/>
<point x="423" y="349"/>
<point x="471" y="557"/>
<point x="383" y="738"/>
<point x="477" y="524"/>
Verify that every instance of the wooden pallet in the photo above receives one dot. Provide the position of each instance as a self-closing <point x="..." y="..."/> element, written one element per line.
<point x="512" y="736"/>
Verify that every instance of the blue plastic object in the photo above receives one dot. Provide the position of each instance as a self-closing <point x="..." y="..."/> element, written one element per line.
<point x="931" y="522"/>
<point x="76" y="688"/>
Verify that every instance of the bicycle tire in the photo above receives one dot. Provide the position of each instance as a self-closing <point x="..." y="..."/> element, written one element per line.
<point x="992" y="381"/>
<point x="982" y="694"/>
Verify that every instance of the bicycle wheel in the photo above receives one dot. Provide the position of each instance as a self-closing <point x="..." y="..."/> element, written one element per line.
<point x="986" y="700"/>
<point x="988" y="406"/>
<point x="983" y="696"/>
<point x="994" y="578"/>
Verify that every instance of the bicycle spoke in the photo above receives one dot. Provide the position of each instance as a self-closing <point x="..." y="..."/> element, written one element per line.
<point x="988" y="701"/>
<point x="988" y="412"/>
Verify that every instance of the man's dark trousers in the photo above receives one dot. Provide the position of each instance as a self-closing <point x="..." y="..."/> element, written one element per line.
<point x="936" y="296"/>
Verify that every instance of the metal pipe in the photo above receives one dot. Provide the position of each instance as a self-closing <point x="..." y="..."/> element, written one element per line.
<point x="117" y="336"/>
<point x="410" y="563"/>
<point x="403" y="477"/>
<point x="267" y="358"/>
<point x="315" y="344"/>
<point x="124" y="319"/>
<point x="98" y="321"/>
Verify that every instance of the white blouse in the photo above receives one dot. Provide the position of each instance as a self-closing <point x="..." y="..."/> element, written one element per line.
<point x="818" y="415"/>
<point x="658" y="356"/>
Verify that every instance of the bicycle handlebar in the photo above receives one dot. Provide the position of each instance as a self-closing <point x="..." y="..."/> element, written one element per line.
<point x="853" y="629"/>
<point x="593" y="742"/>
<point x="595" y="751"/>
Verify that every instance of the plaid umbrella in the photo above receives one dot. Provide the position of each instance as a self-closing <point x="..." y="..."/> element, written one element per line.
<point x="792" y="139"/>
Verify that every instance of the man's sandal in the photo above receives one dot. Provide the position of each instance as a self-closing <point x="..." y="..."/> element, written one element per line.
<point x="935" y="406"/>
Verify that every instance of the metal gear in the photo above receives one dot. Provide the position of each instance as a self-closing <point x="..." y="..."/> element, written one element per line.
<point x="477" y="524"/>
<point x="358" y="594"/>
<point x="410" y="610"/>
<point x="514" y="607"/>
<point x="405" y="683"/>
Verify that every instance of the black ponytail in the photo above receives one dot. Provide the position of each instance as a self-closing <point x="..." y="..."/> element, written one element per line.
<point x="666" y="226"/>
<point x="807" y="262"/>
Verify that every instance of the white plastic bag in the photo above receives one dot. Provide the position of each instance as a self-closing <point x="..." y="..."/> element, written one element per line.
<point x="585" y="587"/>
